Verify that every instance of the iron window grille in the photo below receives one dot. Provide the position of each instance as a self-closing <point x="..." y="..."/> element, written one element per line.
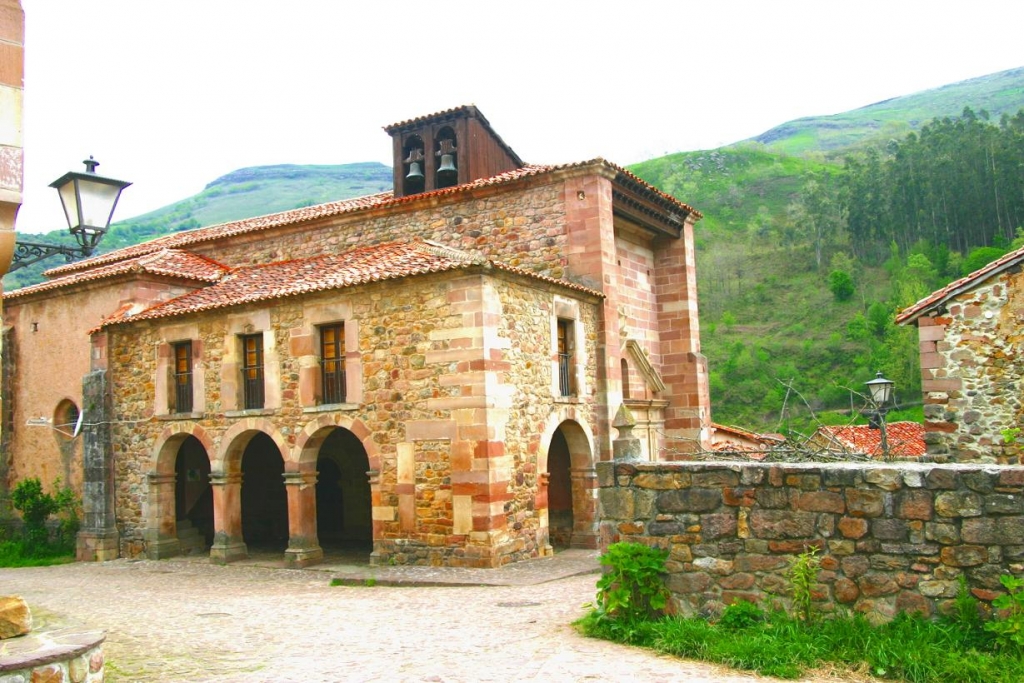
<point x="183" y="377"/>
<point x="566" y="380"/>
<point x="252" y="371"/>
<point x="332" y="363"/>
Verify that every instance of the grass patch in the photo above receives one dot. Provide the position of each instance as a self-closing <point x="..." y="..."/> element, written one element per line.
<point x="13" y="554"/>
<point x="909" y="648"/>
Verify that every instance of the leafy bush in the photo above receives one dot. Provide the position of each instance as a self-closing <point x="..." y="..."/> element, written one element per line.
<point x="841" y="285"/>
<point x="741" y="614"/>
<point x="1008" y="627"/>
<point x="36" y="508"/>
<point x="632" y="588"/>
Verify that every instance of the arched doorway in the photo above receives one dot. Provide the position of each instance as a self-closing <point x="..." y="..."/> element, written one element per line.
<point x="571" y="488"/>
<point x="264" y="499"/>
<point x="344" y="521"/>
<point x="560" y="520"/>
<point x="193" y="497"/>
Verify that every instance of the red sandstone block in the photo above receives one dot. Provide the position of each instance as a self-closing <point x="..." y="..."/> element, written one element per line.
<point x="932" y="360"/>
<point x="931" y="333"/>
<point x="941" y="385"/>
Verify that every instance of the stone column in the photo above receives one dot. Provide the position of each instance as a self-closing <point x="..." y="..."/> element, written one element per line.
<point x="98" y="538"/>
<point x="584" y="507"/>
<point x="162" y="534"/>
<point x="228" y="544"/>
<point x="303" y="545"/>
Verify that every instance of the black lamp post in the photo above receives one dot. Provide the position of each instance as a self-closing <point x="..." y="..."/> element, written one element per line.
<point x="89" y="201"/>
<point x="880" y="394"/>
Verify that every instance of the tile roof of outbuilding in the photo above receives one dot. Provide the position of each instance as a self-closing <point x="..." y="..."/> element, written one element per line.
<point x="171" y="263"/>
<point x="349" y="206"/>
<point x="906" y="439"/>
<point x="968" y="282"/>
<point x="362" y="265"/>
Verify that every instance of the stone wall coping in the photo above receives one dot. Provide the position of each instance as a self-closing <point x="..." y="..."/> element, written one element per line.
<point x="735" y="465"/>
<point x="39" y="648"/>
<point x="331" y="408"/>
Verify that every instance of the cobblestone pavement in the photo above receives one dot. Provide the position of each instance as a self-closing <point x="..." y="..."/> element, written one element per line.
<point x="189" y="620"/>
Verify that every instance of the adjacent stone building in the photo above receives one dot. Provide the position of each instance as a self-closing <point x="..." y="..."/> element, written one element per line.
<point x="971" y="365"/>
<point x="430" y="373"/>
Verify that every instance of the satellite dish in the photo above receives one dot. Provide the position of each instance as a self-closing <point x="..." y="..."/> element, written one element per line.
<point x="78" y="424"/>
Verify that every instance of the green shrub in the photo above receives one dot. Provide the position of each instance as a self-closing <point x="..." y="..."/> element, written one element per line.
<point x="741" y="614"/>
<point x="1008" y="626"/>
<point x="632" y="587"/>
<point x="36" y="507"/>
<point x="803" y="576"/>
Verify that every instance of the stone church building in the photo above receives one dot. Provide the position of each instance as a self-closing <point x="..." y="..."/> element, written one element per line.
<point x="429" y="374"/>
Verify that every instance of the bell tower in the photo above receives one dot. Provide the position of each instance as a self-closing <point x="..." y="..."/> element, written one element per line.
<point x="446" y="149"/>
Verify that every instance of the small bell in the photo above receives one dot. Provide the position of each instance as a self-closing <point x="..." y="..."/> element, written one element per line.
<point x="447" y="165"/>
<point x="414" y="172"/>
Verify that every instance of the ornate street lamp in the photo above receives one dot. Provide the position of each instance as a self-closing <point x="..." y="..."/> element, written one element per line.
<point x="89" y="201"/>
<point x="880" y="394"/>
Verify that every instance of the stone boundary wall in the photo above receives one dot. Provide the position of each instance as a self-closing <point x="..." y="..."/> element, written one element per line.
<point x="64" y="655"/>
<point x="892" y="537"/>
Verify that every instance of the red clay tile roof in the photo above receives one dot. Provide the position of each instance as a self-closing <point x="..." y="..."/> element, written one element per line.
<point x="172" y="263"/>
<point x="348" y="206"/>
<point x="319" y="273"/>
<point x="737" y="432"/>
<point x="906" y="439"/>
<point x="941" y="296"/>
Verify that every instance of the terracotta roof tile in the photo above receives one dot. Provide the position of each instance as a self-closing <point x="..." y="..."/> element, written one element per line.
<point x="964" y="284"/>
<point x="319" y="273"/>
<point x="906" y="439"/>
<point x="348" y="206"/>
<point x="172" y="263"/>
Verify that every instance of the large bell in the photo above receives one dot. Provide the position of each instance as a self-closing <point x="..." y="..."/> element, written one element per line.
<point x="415" y="173"/>
<point x="447" y="165"/>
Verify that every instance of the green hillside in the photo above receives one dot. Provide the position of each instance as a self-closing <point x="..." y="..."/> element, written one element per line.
<point x="240" y="194"/>
<point x="997" y="94"/>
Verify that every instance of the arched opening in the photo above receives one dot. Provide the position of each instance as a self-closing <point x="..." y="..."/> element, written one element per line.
<point x="445" y="150"/>
<point x="343" y="510"/>
<point x="571" y="494"/>
<point x="560" y="521"/>
<point x="264" y="499"/>
<point x="413" y="172"/>
<point x="193" y="497"/>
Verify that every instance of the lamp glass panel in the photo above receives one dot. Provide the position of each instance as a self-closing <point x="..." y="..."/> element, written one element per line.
<point x="69" y="198"/>
<point x="98" y="201"/>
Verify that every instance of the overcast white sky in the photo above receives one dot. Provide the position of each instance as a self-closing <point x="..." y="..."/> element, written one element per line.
<point x="172" y="95"/>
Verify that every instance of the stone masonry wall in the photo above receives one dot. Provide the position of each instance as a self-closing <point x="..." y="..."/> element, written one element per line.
<point x="453" y="428"/>
<point x="971" y="372"/>
<point x="524" y="228"/>
<point x="892" y="537"/>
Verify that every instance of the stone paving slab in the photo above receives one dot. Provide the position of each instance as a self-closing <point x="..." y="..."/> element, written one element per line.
<point x="189" y="620"/>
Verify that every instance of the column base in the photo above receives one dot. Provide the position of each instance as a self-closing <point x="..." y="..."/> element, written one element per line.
<point x="228" y="552"/>
<point x="97" y="546"/>
<point x="163" y="548"/>
<point x="297" y="558"/>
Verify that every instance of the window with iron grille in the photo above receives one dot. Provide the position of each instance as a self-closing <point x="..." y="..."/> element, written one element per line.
<point x="332" y="363"/>
<point x="252" y="371"/>
<point x="566" y="381"/>
<point x="182" y="377"/>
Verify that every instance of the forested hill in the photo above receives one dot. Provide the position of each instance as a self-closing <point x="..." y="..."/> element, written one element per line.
<point x="997" y="94"/>
<point x="812" y="238"/>
<point x="804" y="259"/>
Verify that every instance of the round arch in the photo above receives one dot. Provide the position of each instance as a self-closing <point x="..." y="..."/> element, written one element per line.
<point x="307" y="446"/>
<point x="235" y="440"/>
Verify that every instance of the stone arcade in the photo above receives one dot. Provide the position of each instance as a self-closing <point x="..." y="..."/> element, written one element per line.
<point x="430" y="373"/>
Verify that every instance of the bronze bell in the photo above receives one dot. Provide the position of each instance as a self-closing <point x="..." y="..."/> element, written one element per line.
<point x="447" y="164"/>
<point x="414" y="172"/>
